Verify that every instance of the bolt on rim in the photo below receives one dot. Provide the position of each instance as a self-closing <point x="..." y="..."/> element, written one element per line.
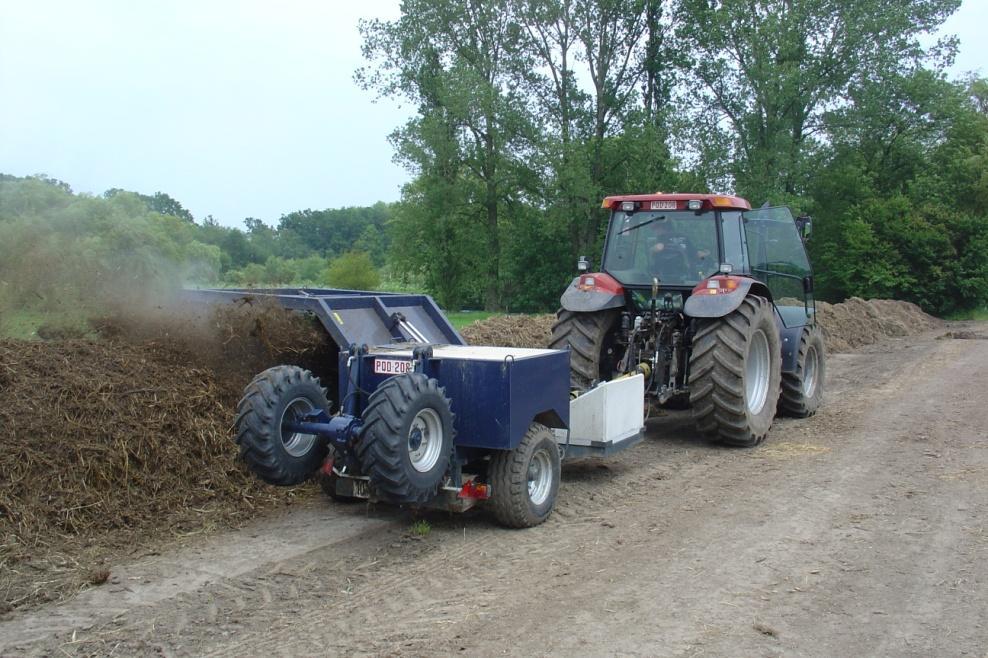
<point x="539" y="477"/>
<point x="756" y="372"/>
<point x="297" y="444"/>
<point x="425" y="440"/>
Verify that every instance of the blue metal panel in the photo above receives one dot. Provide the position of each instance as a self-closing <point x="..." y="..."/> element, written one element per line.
<point x="352" y="316"/>
<point x="538" y="385"/>
<point x="493" y="401"/>
<point x="480" y="394"/>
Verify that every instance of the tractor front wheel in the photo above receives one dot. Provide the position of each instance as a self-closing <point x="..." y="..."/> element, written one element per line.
<point x="525" y="481"/>
<point x="802" y="391"/>
<point x="407" y="438"/>
<point x="735" y="370"/>
<point x="274" y="400"/>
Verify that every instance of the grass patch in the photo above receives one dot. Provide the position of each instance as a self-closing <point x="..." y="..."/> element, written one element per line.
<point x="461" y="319"/>
<point x="420" y="528"/>
<point x="23" y="324"/>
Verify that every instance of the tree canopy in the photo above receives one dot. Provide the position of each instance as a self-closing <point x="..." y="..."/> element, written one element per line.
<point x="527" y="113"/>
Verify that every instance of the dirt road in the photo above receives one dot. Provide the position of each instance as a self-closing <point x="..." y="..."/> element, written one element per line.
<point x="860" y="531"/>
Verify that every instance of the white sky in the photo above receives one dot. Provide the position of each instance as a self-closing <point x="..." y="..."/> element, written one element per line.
<point x="236" y="108"/>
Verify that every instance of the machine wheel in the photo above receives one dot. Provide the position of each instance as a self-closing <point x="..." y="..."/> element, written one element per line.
<point x="802" y="391"/>
<point x="273" y="399"/>
<point x="525" y="480"/>
<point x="407" y="438"/>
<point x="735" y="370"/>
<point x="591" y="340"/>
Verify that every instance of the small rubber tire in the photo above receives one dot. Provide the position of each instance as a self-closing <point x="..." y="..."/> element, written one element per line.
<point x="269" y="402"/>
<point x="525" y="481"/>
<point x="734" y="398"/>
<point x="589" y="337"/>
<point x="387" y="450"/>
<point x="802" y="391"/>
<point x="328" y="485"/>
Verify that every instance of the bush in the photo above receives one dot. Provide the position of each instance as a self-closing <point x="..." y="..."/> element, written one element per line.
<point x="353" y="270"/>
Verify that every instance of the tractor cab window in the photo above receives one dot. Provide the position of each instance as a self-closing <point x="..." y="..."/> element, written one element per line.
<point x="677" y="246"/>
<point x="777" y="257"/>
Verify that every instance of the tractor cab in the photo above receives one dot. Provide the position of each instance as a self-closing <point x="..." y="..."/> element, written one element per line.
<point x="682" y="241"/>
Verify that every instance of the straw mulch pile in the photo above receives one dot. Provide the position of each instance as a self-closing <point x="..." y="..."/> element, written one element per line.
<point x="846" y="326"/>
<point x="108" y="445"/>
<point x="511" y="330"/>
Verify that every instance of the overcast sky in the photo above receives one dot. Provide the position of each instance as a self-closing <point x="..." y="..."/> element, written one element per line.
<point x="236" y="108"/>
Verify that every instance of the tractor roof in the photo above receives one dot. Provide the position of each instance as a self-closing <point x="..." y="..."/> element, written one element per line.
<point x="721" y="201"/>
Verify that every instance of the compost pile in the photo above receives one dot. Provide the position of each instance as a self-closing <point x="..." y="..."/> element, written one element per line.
<point x="110" y="443"/>
<point x="511" y="331"/>
<point x="856" y="322"/>
<point x="846" y="326"/>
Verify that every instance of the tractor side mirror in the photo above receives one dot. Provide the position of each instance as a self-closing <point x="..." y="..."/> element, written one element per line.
<point x="582" y="264"/>
<point x="804" y="224"/>
<point x="807" y="285"/>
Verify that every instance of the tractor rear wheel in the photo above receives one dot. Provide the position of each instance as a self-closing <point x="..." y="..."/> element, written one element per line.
<point x="407" y="438"/>
<point x="802" y="391"/>
<point x="274" y="399"/>
<point x="590" y="338"/>
<point x="735" y="372"/>
<point x="525" y="481"/>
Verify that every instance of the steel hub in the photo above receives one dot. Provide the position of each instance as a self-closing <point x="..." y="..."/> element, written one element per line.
<point x="297" y="444"/>
<point x="810" y="372"/>
<point x="425" y="440"/>
<point x="756" y="372"/>
<point x="539" y="477"/>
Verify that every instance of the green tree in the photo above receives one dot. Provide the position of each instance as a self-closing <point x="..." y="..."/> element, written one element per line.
<point x="353" y="270"/>
<point x="460" y="63"/>
<point x="761" y="74"/>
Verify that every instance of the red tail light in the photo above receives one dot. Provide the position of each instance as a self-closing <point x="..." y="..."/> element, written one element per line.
<point x="718" y="285"/>
<point x="475" y="490"/>
<point x="599" y="282"/>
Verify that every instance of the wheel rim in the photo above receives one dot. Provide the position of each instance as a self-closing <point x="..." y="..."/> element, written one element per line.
<point x="297" y="444"/>
<point x="539" y="477"/>
<point x="756" y="369"/>
<point x="810" y="370"/>
<point x="425" y="440"/>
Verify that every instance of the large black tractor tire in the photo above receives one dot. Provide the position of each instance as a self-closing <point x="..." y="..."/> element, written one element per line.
<point x="590" y="339"/>
<point x="525" y="481"/>
<point x="271" y="451"/>
<point x="735" y="372"/>
<point x="802" y="391"/>
<point x="407" y="438"/>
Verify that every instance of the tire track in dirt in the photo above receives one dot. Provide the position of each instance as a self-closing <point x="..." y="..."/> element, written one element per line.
<point x="654" y="510"/>
<point x="591" y="504"/>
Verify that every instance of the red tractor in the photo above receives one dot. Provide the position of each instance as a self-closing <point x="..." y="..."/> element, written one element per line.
<point x="711" y="301"/>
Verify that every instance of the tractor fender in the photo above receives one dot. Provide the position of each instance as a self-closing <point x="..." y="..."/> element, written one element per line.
<point x="592" y="292"/>
<point x="717" y="306"/>
<point x="789" y="337"/>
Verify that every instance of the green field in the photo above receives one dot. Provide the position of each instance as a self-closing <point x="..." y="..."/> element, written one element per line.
<point x="24" y="324"/>
<point x="461" y="319"/>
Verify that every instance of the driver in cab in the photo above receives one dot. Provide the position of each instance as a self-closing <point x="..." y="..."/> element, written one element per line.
<point x="674" y="257"/>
